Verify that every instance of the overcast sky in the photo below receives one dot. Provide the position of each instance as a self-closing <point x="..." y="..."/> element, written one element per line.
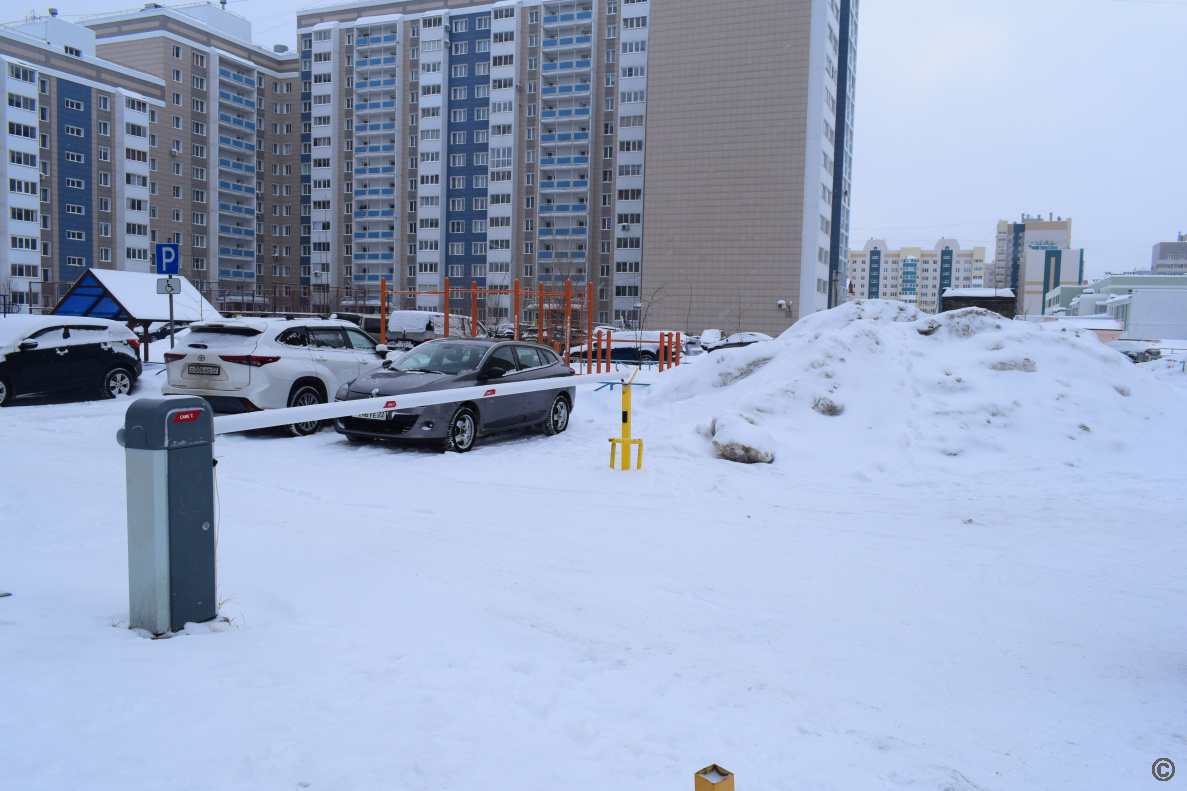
<point x="971" y="111"/>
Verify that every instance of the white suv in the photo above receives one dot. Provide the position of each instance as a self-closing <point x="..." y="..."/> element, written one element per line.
<point x="244" y="365"/>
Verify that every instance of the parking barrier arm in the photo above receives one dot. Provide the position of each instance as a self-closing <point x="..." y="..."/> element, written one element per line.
<point x="227" y="424"/>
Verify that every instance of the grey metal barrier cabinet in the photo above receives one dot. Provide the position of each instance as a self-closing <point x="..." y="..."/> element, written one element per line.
<point x="169" y="449"/>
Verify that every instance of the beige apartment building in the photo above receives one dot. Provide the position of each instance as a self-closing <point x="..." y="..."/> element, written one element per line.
<point x="915" y="275"/>
<point x="740" y="184"/>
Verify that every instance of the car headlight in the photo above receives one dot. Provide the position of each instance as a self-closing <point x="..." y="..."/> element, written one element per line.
<point x="342" y="391"/>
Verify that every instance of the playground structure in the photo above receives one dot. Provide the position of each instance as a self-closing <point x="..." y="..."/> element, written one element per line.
<point x="562" y="321"/>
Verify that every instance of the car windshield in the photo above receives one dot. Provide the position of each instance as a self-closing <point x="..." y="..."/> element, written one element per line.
<point x="442" y="358"/>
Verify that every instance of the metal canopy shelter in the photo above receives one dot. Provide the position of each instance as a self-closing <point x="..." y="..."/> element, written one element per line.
<point x="131" y="297"/>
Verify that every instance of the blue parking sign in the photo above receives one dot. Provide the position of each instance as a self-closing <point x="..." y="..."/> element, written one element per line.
<point x="168" y="259"/>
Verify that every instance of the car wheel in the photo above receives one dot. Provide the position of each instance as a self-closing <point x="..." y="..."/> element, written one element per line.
<point x="463" y="430"/>
<point x="558" y="416"/>
<point x="305" y="395"/>
<point x="647" y="357"/>
<point x="117" y="382"/>
<point x="5" y="391"/>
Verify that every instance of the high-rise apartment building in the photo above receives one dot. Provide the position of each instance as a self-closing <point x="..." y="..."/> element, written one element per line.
<point x="914" y="275"/>
<point x="77" y="187"/>
<point x="224" y="151"/>
<point x="1015" y="238"/>
<point x="149" y="127"/>
<point x="419" y="140"/>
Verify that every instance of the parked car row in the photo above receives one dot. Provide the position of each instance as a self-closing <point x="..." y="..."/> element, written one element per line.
<point x="51" y="355"/>
<point x="250" y="364"/>
<point x="244" y="365"/>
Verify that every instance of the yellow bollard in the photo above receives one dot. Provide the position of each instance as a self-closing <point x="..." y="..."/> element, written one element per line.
<point x="625" y="441"/>
<point x="714" y="778"/>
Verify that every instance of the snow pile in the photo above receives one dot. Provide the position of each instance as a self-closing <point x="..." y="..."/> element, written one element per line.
<point x="880" y="383"/>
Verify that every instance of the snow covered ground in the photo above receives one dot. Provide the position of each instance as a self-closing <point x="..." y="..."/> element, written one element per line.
<point x="908" y="597"/>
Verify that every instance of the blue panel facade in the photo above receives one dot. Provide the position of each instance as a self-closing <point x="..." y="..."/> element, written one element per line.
<point x="306" y="158"/>
<point x="81" y="171"/>
<point x="1052" y="266"/>
<point x="875" y="274"/>
<point x="945" y="277"/>
<point x="470" y="149"/>
<point x="841" y="131"/>
<point x="1018" y="229"/>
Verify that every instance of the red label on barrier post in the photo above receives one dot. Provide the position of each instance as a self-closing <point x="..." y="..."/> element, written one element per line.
<point x="186" y="417"/>
<point x="390" y="405"/>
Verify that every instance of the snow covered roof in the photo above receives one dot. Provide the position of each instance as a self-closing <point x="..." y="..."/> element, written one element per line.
<point x="979" y="292"/>
<point x="131" y="296"/>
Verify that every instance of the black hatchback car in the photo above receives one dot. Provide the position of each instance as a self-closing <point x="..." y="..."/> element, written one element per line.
<point x="43" y="355"/>
<point x="446" y="364"/>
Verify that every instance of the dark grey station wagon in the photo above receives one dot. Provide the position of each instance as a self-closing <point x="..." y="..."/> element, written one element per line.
<point x="446" y="364"/>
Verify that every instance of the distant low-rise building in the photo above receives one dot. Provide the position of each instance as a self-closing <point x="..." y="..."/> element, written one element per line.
<point x="1147" y="306"/>
<point x="913" y="274"/>
<point x="1170" y="258"/>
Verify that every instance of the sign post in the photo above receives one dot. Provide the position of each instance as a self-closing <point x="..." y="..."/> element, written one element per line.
<point x="169" y="263"/>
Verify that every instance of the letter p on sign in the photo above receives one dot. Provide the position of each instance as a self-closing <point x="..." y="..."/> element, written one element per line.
<point x="168" y="259"/>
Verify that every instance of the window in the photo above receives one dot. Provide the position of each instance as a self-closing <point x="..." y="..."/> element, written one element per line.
<point x="502" y="60"/>
<point x="631" y="97"/>
<point x="22" y="130"/>
<point x="199" y="82"/>
<point x="634" y="22"/>
<point x="21" y="73"/>
<point x="611" y="31"/>
<point x="629" y="47"/>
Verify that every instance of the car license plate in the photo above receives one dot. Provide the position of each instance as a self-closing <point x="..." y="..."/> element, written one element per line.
<point x="203" y="370"/>
<point x="375" y="415"/>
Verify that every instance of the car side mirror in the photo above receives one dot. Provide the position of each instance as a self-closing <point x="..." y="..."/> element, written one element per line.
<point x="386" y="364"/>
<point x="494" y="373"/>
<point x="381" y="348"/>
<point x="26" y="345"/>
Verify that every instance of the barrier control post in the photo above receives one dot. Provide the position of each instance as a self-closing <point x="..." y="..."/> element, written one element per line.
<point x="169" y="452"/>
<point x="625" y="440"/>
